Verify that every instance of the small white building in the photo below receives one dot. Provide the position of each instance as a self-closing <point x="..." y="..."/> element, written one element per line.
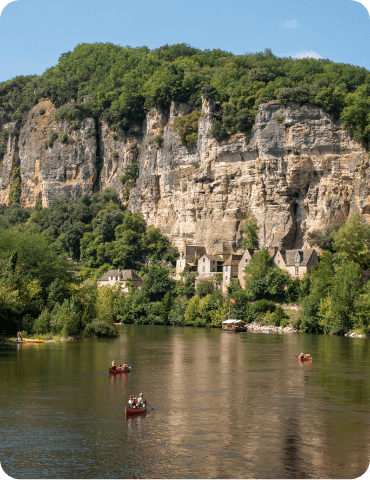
<point x="123" y="277"/>
<point x="230" y="270"/>
<point x="189" y="257"/>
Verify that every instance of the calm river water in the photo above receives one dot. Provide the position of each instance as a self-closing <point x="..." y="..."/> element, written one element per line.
<point x="224" y="406"/>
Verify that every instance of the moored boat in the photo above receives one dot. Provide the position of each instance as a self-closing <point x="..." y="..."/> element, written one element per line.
<point x="135" y="411"/>
<point x="120" y="370"/>
<point x="233" y="325"/>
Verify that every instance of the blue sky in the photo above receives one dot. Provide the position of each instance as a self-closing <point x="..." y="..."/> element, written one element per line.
<point x="33" y="33"/>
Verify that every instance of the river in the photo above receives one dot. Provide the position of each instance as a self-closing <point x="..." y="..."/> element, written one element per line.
<point x="224" y="405"/>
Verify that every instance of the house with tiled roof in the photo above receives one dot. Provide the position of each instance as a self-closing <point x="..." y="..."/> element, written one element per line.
<point x="189" y="257"/>
<point x="230" y="269"/>
<point x="296" y="262"/>
<point x="122" y="277"/>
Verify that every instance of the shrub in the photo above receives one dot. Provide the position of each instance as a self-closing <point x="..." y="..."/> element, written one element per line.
<point x="63" y="137"/>
<point x="42" y="111"/>
<point x="53" y="138"/>
<point x="204" y="288"/>
<point x="196" y="165"/>
<point x="115" y="154"/>
<point x="3" y="152"/>
<point x="91" y="134"/>
<point x="89" y="330"/>
<point x="76" y="126"/>
<point x="187" y="128"/>
<point x="218" y="131"/>
<point x="114" y="136"/>
<point x="4" y="135"/>
<point x="103" y="329"/>
<point x="159" y="140"/>
<point x="280" y="119"/>
<point x="133" y="147"/>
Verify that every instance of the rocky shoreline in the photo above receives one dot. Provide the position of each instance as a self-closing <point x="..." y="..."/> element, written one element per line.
<point x="271" y="328"/>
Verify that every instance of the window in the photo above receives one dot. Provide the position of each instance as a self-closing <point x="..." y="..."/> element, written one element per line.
<point x="204" y="260"/>
<point x="297" y="270"/>
<point x="226" y="277"/>
<point x="204" y="269"/>
<point x="180" y="263"/>
<point x="227" y="268"/>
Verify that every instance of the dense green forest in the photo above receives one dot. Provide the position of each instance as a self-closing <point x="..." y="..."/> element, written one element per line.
<point x="51" y="257"/>
<point x="121" y="84"/>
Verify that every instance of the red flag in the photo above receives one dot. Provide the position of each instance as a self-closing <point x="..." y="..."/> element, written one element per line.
<point x="232" y="301"/>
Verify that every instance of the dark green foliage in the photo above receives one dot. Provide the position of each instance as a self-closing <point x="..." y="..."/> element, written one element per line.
<point x="257" y="310"/>
<point x="42" y="111"/>
<point x="158" y="139"/>
<point x="63" y="137"/>
<point x="53" y="138"/>
<point x="4" y="135"/>
<point x="16" y="186"/>
<point x="157" y="284"/>
<point x="204" y="288"/>
<point x="218" y="131"/>
<point x="3" y="152"/>
<point x="323" y="240"/>
<point x="101" y="329"/>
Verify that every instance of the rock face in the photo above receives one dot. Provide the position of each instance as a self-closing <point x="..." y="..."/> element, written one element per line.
<point x="297" y="172"/>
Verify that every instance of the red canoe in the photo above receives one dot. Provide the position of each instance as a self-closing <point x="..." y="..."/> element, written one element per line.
<point x="135" y="411"/>
<point x="304" y="359"/>
<point x="120" y="370"/>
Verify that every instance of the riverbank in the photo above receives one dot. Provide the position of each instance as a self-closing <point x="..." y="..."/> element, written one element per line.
<point x="259" y="327"/>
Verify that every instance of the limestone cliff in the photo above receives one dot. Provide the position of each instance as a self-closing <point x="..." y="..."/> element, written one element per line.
<point x="297" y="172"/>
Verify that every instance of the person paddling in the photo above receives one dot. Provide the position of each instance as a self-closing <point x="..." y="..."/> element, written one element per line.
<point x="114" y="365"/>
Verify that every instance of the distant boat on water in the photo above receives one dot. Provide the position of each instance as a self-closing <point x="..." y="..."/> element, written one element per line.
<point x="233" y="325"/>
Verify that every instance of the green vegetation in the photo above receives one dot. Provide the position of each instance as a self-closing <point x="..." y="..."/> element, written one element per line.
<point x="16" y="186"/>
<point x="53" y="138"/>
<point x="187" y="128"/>
<point x="250" y="230"/>
<point x="121" y="84"/>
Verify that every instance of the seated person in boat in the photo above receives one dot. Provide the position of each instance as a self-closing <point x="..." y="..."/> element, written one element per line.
<point x="114" y="365"/>
<point x="140" y="401"/>
<point x="302" y="355"/>
<point x="132" y="402"/>
<point x="125" y="366"/>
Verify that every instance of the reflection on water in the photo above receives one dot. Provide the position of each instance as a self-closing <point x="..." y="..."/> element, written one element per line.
<point x="223" y="406"/>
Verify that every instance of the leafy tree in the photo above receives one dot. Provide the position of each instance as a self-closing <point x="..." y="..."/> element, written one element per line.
<point x="351" y="242"/>
<point x="204" y="288"/>
<point x="250" y="230"/>
<point x="257" y="267"/>
<point x="157" y="283"/>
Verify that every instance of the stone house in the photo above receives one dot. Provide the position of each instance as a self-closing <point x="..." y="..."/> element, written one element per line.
<point x="244" y="262"/>
<point x="111" y="277"/>
<point x="230" y="269"/>
<point x="210" y="265"/>
<point x="188" y="258"/>
<point x="296" y="262"/>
